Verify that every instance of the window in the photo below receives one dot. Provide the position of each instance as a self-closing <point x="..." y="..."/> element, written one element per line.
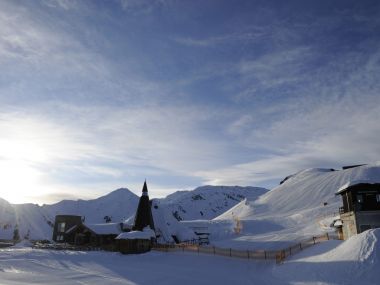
<point x="359" y="198"/>
<point x="61" y="227"/>
<point x="378" y="198"/>
<point x="59" y="237"/>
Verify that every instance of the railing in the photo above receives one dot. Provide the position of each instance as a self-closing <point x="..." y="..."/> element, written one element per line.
<point x="278" y="255"/>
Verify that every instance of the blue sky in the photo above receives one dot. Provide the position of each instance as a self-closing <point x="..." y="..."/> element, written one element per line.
<point x="96" y="95"/>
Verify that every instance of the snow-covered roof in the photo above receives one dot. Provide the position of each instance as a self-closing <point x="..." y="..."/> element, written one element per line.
<point x="105" y="229"/>
<point x="145" y="234"/>
<point x="375" y="180"/>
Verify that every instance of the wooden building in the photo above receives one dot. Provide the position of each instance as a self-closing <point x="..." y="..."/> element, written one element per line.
<point x="95" y="235"/>
<point x="361" y="207"/>
<point x="62" y="224"/>
<point x="70" y="229"/>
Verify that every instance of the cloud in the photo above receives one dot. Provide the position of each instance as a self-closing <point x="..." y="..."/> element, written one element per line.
<point x="142" y="6"/>
<point x="254" y="34"/>
<point x="62" y="4"/>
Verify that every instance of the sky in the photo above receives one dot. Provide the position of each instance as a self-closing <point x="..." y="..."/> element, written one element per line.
<point x="98" y="95"/>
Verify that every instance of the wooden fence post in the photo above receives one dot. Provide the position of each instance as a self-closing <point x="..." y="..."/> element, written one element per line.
<point x="265" y="254"/>
<point x="327" y="236"/>
<point x="248" y="254"/>
<point x="314" y="239"/>
<point x="230" y="252"/>
<point x="300" y="246"/>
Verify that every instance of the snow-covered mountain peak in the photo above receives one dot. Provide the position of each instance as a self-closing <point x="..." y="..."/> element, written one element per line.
<point x="208" y="202"/>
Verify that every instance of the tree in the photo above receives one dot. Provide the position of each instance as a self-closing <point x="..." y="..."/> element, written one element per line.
<point x="107" y="219"/>
<point x="16" y="234"/>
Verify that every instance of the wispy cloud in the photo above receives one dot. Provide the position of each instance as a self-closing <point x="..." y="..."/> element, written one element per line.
<point x="331" y="125"/>
<point x="142" y="6"/>
<point x="253" y="34"/>
<point x="62" y="4"/>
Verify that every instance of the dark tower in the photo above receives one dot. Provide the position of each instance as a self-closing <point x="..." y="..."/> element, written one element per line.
<point x="143" y="216"/>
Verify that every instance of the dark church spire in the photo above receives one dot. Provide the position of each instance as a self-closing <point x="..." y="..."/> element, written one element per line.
<point x="145" y="189"/>
<point x="143" y="216"/>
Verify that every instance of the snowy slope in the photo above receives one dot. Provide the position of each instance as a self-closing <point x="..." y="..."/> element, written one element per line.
<point x="293" y="210"/>
<point x="208" y="202"/>
<point x="355" y="261"/>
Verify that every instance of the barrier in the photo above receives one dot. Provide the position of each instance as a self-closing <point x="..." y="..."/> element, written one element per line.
<point x="278" y="255"/>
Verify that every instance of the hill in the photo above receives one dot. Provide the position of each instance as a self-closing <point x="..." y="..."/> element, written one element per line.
<point x="302" y="206"/>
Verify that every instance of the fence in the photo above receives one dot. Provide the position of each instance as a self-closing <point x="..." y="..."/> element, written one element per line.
<point x="65" y="246"/>
<point x="278" y="255"/>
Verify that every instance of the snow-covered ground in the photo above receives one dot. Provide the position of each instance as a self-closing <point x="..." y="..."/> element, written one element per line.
<point x="355" y="261"/>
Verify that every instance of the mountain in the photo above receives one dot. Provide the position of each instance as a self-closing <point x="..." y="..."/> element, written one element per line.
<point x="208" y="202"/>
<point x="36" y="222"/>
<point x="204" y="203"/>
<point x="118" y="205"/>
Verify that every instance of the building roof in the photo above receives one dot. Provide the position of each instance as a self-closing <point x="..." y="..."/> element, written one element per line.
<point x="99" y="229"/>
<point x="104" y="229"/>
<point x="344" y="187"/>
<point x="145" y="234"/>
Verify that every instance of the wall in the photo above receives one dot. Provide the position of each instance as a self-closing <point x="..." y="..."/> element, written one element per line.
<point x="370" y="218"/>
<point x="349" y="225"/>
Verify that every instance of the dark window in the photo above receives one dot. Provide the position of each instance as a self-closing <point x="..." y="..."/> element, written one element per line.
<point x="359" y="198"/>
<point x="61" y="227"/>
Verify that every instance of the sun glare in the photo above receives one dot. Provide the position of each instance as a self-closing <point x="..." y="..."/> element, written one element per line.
<point x="19" y="179"/>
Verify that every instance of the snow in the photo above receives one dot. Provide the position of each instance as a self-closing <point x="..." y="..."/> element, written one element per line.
<point x="355" y="261"/>
<point x="208" y="202"/>
<point x="105" y="229"/>
<point x="145" y="234"/>
<point x="375" y="180"/>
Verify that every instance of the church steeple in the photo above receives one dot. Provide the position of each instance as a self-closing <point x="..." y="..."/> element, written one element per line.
<point x="145" y="189"/>
<point x="143" y="216"/>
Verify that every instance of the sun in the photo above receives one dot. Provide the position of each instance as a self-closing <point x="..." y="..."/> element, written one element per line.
<point x="20" y="179"/>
